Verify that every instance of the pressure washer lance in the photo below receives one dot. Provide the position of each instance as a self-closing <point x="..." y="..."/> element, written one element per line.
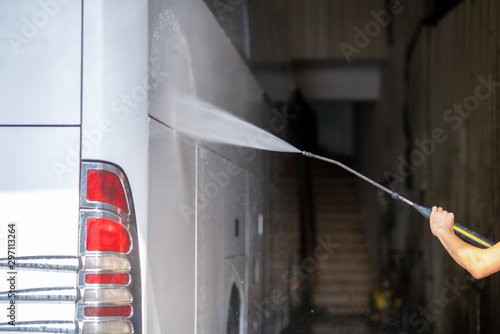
<point x="465" y="233"/>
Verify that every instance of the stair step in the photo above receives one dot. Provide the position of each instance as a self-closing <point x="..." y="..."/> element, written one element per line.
<point x="331" y="227"/>
<point x="335" y="200"/>
<point x="341" y="278"/>
<point x="330" y="186"/>
<point x="356" y="291"/>
<point x="341" y="215"/>
<point x="346" y="238"/>
<point x="360" y="328"/>
<point x="341" y="226"/>
<point x="333" y="186"/>
<point x="346" y="256"/>
<point x="336" y="194"/>
<point x="348" y="324"/>
<point x="348" y="289"/>
<point x="346" y="309"/>
<point x="351" y="266"/>
<point x="341" y="299"/>
<point x="328" y="221"/>
<point x="338" y="207"/>
<point x="354" y="297"/>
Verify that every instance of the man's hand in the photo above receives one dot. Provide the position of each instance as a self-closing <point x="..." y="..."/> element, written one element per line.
<point x="441" y="220"/>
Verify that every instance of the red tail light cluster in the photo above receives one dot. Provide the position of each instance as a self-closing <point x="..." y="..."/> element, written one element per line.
<point x="109" y="281"/>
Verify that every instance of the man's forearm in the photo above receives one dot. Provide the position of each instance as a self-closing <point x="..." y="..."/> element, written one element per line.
<point x="478" y="262"/>
<point x="459" y="250"/>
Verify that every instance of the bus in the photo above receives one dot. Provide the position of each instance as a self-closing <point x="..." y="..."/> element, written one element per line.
<point x="112" y="221"/>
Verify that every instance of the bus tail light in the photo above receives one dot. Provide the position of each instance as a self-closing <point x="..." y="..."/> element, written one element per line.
<point x="105" y="235"/>
<point x="109" y="280"/>
<point x="118" y="279"/>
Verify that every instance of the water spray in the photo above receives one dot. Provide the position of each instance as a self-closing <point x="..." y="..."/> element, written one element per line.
<point x="206" y="122"/>
<point x="465" y="233"/>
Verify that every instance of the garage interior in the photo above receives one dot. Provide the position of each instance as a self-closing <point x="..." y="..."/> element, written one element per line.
<point x="405" y="92"/>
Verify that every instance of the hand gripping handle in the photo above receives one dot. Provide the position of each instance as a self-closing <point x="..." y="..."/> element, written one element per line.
<point x="463" y="232"/>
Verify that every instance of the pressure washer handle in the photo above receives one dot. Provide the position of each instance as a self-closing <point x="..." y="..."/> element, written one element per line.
<point x="472" y="237"/>
<point x="465" y="233"/>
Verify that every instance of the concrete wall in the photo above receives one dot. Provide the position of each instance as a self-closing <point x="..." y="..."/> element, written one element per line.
<point x="439" y="153"/>
<point x="463" y="170"/>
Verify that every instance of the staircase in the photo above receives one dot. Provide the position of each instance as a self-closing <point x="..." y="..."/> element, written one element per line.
<point x="344" y="280"/>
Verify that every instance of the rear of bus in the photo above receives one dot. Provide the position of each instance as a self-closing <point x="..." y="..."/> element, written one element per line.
<point x="73" y="172"/>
